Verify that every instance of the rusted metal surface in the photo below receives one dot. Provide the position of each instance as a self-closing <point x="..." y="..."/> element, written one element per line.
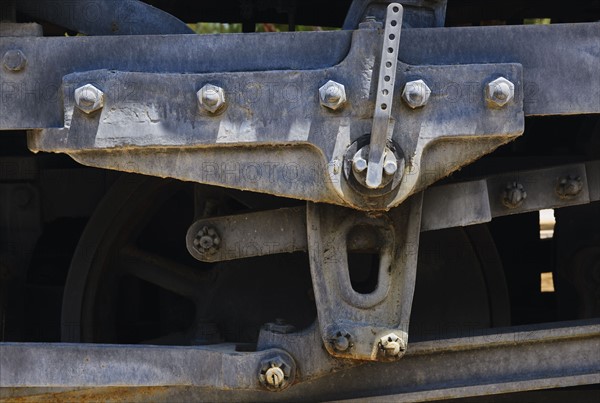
<point x="304" y="116"/>
<point x="154" y="127"/>
<point x="71" y="365"/>
<point x="521" y="358"/>
<point x="363" y="318"/>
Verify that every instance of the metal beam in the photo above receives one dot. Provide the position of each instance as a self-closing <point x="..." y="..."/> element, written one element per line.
<point x="94" y="365"/>
<point x="517" y="359"/>
<point x="31" y="98"/>
<point x="529" y="359"/>
<point x="559" y="60"/>
<point x="445" y="206"/>
<point x="104" y="17"/>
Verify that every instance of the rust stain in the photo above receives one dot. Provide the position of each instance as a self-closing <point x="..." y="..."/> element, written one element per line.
<point x="108" y="395"/>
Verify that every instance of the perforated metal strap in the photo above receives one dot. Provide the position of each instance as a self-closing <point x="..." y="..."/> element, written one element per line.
<point x="385" y="94"/>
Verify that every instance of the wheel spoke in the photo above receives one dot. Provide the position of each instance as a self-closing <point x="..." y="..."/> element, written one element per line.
<point x="163" y="272"/>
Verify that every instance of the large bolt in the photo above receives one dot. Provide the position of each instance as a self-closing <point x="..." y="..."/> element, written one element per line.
<point x="89" y="98"/>
<point x="14" y="60"/>
<point x="332" y="95"/>
<point x="499" y="92"/>
<point x="207" y="241"/>
<point x="416" y="93"/>
<point x="356" y="164"/>
<point x="359" y="163"/>
<point x="569" y="187"/>
<point x="211" y="98"/>
<point x="514" y="195"/>
<point x="392" y="346"/>
<point x="390" y="163"/>
<point x="276" y="373"/>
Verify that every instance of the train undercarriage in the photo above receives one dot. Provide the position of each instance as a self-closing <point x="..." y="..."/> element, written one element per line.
<point x="402" y="206"/>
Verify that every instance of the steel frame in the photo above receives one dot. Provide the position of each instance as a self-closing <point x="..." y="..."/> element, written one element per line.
<point x="147" y="118"/>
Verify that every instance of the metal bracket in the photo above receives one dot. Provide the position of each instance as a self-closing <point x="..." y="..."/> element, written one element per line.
<point x="370" y="326"/>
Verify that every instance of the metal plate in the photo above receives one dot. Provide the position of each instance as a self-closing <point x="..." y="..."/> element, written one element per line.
<point x="546" y="52"/>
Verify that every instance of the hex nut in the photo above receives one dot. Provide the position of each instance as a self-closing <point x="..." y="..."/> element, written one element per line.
<point x="499" y="92"/>
<point x="514" y="195"/>
<point x="392" y="346"/>
<point x="89" y="99"/>
<point x="14" y="60"/>
<point x="332" y="95"/>
<point x="416" y="94"/>
<point x="341" y="340"/>
<point x="207" y="241"/>
<point x="569" y="187"/>
<point x="277" y="373"/>
<point x="211" y="98"/>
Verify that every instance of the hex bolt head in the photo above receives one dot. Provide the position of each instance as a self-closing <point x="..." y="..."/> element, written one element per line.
<point x="514" y="195"/>
<point x="499" y="92"/>
<point x="277" y="373"/>
<point x="569" y="187"/>
<point x="416" y="94"/>
<point x="392" y="346"/>
<point x="211" y="98"/>
<point x="207" y="241"/>
<point x="390" y="163"/>
<point x="359" y="164"/>
<point x="14" y="60"/>
<point x="89" y="99"/>
<point x="332" y="95"/>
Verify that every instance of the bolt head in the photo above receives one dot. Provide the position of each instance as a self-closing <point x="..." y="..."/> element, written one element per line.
<point x="211" y="98"/>
<point x="332" y="95"/>
<point x="276" y="373"/>
<point x="416" y="94"/>
<point x="499" y="92"/>
<point x="390" y="163"/>
<point x="14" y="60"/>
<point x="89" y="99"/>
<point x="359" y="164"/>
